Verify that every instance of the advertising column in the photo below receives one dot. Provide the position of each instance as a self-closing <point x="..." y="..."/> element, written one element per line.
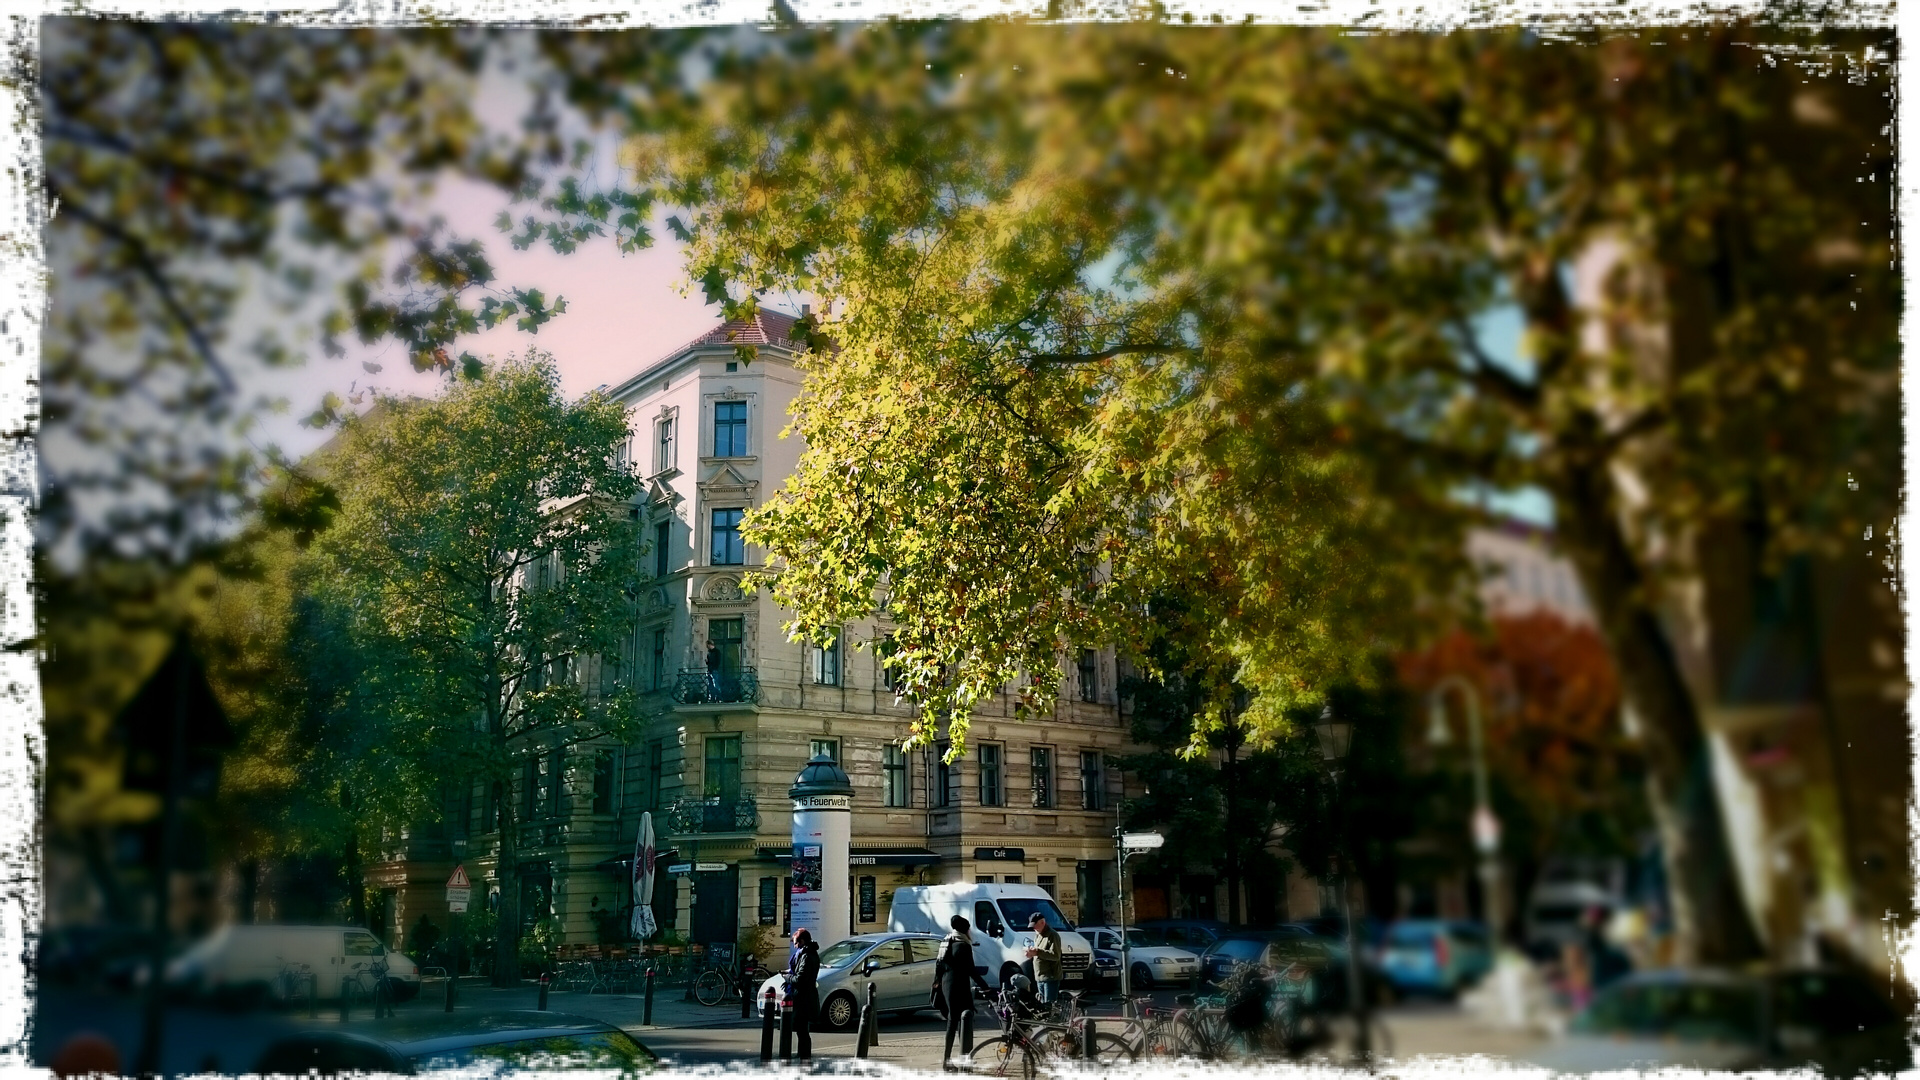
<point x="822" y="832"/>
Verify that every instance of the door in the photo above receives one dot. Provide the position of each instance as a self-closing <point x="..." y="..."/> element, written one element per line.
<point x="716" y="906"/>
<point x="889" y="976"/>
<point x="922" y="957"/>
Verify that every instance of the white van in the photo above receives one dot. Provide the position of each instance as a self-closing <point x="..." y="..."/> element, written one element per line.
<point x="999" y="914"/>
<point x="260" y="961"/>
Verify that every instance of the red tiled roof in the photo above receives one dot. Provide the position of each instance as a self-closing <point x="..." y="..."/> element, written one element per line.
<point x="765" y="328"/>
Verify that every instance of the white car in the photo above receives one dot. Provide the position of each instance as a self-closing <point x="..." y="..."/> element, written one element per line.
<point x="1149" y="965"/>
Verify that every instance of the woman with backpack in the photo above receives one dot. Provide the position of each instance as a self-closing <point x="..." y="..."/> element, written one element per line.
<point x="954" y="978"/>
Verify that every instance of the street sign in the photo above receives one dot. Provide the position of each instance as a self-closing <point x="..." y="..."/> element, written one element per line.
<point x="459" y="890"/>
<point x="680" y="868"/>
<point x="1141" y="841"/>
<point x="1005" y="854"/>
<point x="710" y="867"/>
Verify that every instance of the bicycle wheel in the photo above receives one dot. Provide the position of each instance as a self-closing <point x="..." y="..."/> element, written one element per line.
<point x="710" y="988"/>
<point x="1111" y="1049"/>
<point x="999" y="1057"/>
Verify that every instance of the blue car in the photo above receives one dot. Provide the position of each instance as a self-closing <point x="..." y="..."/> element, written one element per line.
<point x="1434" y="956"/>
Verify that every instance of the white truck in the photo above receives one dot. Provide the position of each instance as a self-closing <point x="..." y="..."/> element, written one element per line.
<point x="1000" y="915"/>
<point x="266" y="962"/>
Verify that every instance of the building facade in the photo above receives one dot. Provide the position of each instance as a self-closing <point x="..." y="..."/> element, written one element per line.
<point x="736" y="709"/>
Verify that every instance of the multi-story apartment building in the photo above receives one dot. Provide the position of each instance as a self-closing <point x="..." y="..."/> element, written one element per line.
<point x="736" y="709"/>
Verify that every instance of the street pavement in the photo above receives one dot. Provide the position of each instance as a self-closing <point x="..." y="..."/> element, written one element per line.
<point x="683" y="1032"/>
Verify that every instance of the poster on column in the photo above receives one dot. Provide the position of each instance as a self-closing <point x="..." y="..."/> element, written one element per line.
<point x="806" y="886"/>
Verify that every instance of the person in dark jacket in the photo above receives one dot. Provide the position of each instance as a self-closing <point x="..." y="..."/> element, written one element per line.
<point x="954" y="978"/>
<point x="805" y="970"/>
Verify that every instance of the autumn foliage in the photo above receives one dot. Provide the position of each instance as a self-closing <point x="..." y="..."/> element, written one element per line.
<point x="1555" y="742"/>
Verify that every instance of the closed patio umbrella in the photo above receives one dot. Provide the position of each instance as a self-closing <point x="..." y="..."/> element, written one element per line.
<point x="643" y="926"/>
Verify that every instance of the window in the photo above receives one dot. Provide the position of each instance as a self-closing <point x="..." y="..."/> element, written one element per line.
<point x="531" y="788"/>
<point x="991" y="791"/>
<point x="769" y="900"/>
<point x="721" y="784"/>
<point x="983" y="879"/>
<point x="663" y="444"/>
<point x="658" y="677"/>
<point x="829" y="747"/>
<point x="893" y="775"/>
<point x="656" y="770"/>
<point x="946" y="778"/>
<point x="1048" y="883"/>
<point x="556" y="782"/>
<point x="1089" y="675"/>
<point x="826" y="664"/>
<point x="1093" y="782"/>
<point x="888" y="680"/>
<point x="726" y="636"/>
<point x="662" y="548"/>
<point x="730" y="429"/>
<point x="1041" y="760"/>
<point x="728" y="550"/>
<point x="1010" y="879"/>
<point x="603" y="782"/>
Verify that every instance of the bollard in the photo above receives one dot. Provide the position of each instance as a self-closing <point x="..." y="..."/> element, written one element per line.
<point x="865" y="1038"/>
<point x="786" y="1029"/>
<point x="451" y="979"/>
<point x="873" y="1032"/>
<point x="1086" y="1044"/>
<point x="746" y="988"/>
<point x="646" y="1010"/>
<point x="543" y="992"/>
<point x="345" y="995"/>
<point x="766" y="1026"/>
<point x="313" y="996"/>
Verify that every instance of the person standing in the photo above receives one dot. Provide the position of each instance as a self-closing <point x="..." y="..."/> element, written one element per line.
<point x="713" y="671"/>
<point x="954" y="977"/>
<point x="1045" y="955"/>
<point x="804" y="967"/>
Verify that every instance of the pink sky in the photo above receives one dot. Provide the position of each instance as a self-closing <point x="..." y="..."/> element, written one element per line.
<point x="623" y="312"/>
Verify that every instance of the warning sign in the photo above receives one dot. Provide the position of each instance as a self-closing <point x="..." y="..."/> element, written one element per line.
<point x="459" y="890"/>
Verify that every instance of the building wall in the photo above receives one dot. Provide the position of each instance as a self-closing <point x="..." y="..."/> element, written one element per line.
<point x="776" y="730"/>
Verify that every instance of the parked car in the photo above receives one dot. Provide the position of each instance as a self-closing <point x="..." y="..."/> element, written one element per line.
<point x="1555" y="911"/>
<point x="1281" y="950"/>
<point x="260" y="962"/>
<point x="1193" y="935"/>
<point x="470" y="1043"/>
<point x="999" y="915"/>
<point x="1434" y="956"/>
<point x="1716" y="1020"/>
<point x="899" y="965"/>
<point x="1150" y="964"/>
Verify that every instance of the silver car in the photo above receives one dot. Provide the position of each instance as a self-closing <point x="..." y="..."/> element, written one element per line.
<point x="900" y="967"/>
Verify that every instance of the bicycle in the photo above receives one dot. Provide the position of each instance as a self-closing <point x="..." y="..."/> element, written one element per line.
<point x="380" y="992"/>
<point x="716" y="985"/>
<point x="1027" y="1041"/>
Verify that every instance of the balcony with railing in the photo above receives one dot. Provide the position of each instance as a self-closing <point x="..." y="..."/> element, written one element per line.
<point x="723" y="687"/>
<point x="713" y="814"/>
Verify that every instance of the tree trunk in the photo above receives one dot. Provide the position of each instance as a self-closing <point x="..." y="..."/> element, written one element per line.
<point x="1710" y="917"/>
<point x="1232" y="846"/>
<point x="506" y="931"/>
<point x="249" y="889"/>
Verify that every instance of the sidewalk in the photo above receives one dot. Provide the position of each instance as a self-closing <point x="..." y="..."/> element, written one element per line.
<point x="671" y="1009"/>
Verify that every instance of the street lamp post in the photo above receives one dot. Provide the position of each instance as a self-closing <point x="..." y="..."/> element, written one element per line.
<point x="1124" y="845"/>
<point x="1336" y="739"/>
<point x="1486" y="827"/>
